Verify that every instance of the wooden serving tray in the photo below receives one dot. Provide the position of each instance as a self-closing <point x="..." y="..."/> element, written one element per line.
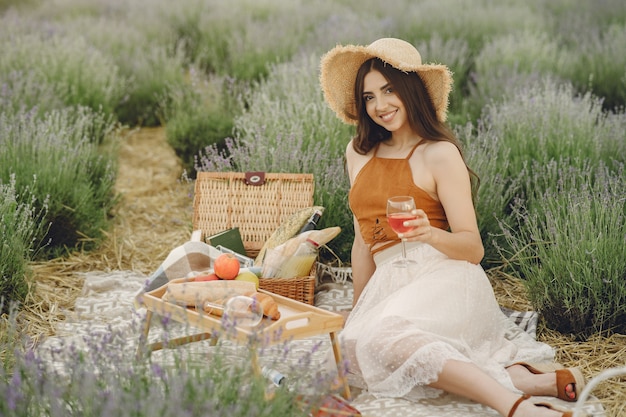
<point x="297" y="320"/>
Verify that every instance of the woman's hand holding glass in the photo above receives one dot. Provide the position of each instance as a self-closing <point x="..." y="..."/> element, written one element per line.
<point x="400" y="210"/>
<point x="420" y="229"/>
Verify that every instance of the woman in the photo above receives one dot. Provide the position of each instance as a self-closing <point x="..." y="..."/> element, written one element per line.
<point x="434" y="326"/>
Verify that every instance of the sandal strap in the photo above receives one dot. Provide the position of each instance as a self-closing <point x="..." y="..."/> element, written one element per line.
<point x="517" y="403"/>
<point x="573" y="376"/>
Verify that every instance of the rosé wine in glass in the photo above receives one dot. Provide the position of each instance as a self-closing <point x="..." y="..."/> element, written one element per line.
<point x="399" y="210"/>
<point x="396" y="221"/>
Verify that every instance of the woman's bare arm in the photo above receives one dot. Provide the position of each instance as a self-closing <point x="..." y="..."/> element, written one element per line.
<point x="361" y="258"/>
<point x="453" y="189"/>
<point x="363" y="266"/>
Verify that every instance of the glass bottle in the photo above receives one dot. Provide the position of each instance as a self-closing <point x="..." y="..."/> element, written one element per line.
<point x="301" y="262"/>
<point x="312" y="222"/>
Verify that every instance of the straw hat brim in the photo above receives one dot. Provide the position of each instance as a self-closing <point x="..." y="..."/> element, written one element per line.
<point x="340" y="65"/>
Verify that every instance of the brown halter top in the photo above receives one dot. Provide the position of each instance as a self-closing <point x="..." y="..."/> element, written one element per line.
<point x="378" y="180"/>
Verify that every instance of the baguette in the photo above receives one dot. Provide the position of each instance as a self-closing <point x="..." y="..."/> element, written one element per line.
<point x="321" y="237"/>
<point x="196" y="294"/>
<point x="287" y="229"/>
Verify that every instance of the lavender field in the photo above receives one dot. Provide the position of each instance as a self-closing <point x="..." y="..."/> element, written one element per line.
<point x="538" y="103"/>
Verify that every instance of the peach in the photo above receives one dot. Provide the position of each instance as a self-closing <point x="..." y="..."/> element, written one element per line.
<point x="226" y="266"/>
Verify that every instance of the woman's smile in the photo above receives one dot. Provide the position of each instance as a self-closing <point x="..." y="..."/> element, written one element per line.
<point x="388" y="116"/>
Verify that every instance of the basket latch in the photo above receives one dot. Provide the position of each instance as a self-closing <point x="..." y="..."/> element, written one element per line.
<point x="255" y="178"/>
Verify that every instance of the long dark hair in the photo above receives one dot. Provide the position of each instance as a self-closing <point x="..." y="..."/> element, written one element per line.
<point x="421" y="112"/>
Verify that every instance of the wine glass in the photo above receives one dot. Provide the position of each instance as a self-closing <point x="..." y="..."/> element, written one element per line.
<point x="243" y="311"/>
<point x="398" y="211"/>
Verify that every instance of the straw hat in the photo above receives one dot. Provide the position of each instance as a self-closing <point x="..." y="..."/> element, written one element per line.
<point x="340" y="65"/>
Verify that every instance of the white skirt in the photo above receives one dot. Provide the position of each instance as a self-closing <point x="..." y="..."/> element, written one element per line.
<point x="409" y="322"/>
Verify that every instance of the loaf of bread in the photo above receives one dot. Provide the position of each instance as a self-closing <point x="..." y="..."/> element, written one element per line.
<point x="211" y="296"/>
<point x="197" y="293"/>
<point x="267" y="303"/>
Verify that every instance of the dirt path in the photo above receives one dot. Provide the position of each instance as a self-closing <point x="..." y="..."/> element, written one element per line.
<point x="155" y="213"/>
<point x="152" y="217"/>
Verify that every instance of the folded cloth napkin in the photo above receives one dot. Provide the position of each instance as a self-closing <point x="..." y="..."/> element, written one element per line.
<point x="192" y="256"/>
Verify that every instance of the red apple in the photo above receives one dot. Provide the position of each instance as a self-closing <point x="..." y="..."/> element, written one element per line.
<point x="206" y="277"/>
<point x="226" y="266"/>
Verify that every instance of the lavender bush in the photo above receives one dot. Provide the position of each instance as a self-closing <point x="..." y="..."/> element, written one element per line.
<point x="239" y="39"/>
<point x="151" y="70"/>
<point x="475" y="22"/>
<point x="64" y="70"/>
<point x="98" y="375"/>
<point x="343" y="24"/>
<point x="569" y="245"/>
<point x="20" y="224"/>
<point x="309" y="118"/>
<point x="511" y="62"/>
<point x="599" y="64"/>
<point x="550" y="121"/>
<point x="535" y="126"/>
<point x="8" y="4"/>
<point x="141" y="67"/>
<point x="564" y="160"/>
<point x="200" y="115"/>
<point x="594" y="35"/>
<point x="496" y="189"/>
<point x="77" y="185"/>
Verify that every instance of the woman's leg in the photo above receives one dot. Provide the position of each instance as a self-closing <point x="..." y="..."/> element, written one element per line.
<point x="469" y="381"/>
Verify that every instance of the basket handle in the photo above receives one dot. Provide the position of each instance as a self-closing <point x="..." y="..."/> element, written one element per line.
<point x="254" y="178"/>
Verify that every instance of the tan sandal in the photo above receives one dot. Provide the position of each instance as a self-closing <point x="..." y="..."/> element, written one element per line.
<point x="517" y="403"/>
<point x="564" y="377"/>
<point x="563" y="411"/>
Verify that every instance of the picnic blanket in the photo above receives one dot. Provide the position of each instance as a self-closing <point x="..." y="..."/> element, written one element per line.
<point x="107" y="305"/>
<point x="187" y="258"/>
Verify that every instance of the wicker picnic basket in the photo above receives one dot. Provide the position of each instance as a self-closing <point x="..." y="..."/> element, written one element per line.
<point x="223" y="200"/>
<point x="299" y="288"/>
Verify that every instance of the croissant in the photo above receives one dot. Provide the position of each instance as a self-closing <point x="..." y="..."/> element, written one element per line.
<point x="270" y="307"/>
